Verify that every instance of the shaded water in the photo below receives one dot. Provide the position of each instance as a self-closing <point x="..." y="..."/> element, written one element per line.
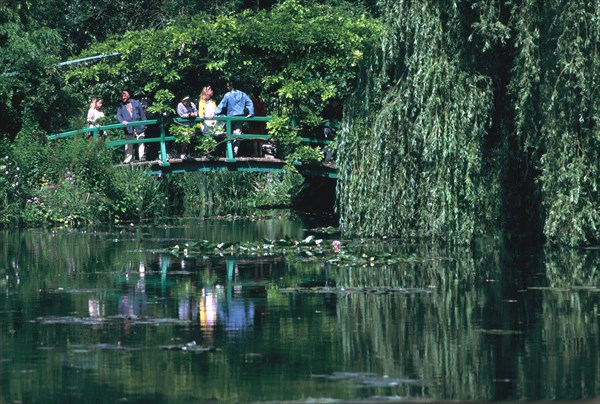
<point x="111" y="316"/>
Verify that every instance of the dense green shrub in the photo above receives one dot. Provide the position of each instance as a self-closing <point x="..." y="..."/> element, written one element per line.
<point x="276" y="189"/>
<point x="73" y="182"/>
<point x="136" y="195"/>
<point x="216" y="192"/>
<point x="8" y="182"/>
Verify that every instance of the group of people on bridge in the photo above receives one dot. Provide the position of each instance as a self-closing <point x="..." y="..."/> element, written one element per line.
<point x="235" y="103"/>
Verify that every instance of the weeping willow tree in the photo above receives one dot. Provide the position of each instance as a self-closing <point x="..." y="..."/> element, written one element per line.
<point x="556" y="78"/>
<point x="474" y="114"/>
<point x="411" y="157"/>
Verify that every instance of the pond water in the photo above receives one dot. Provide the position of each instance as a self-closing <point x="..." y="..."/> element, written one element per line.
<point x="114" y="315"/>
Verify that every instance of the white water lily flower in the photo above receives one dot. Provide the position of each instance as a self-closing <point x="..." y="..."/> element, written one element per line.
<point x="308" y="239"/>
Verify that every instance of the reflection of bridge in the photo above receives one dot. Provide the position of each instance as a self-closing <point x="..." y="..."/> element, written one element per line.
<point x="228" y="162"/>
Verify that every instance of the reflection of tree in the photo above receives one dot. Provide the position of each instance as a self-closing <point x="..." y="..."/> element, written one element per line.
<point x="564" y="354"/>
<point x="490" y="326"/>
<point x="566" y="267"/>
<point x="426" y="331"/>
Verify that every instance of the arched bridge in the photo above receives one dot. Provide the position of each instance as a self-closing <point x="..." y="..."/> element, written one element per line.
<point x="228" y="161"/>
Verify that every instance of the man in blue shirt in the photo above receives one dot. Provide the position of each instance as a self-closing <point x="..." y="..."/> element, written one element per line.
<point x="237" y="103"/>
<point x="128" y="112"/>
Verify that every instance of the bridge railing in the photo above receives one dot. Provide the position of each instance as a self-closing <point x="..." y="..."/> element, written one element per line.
<point x="163" y="138"/>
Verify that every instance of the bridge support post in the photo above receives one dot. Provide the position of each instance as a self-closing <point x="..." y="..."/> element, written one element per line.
<point x="230" y="155"/>
<point x="164" y="161"/>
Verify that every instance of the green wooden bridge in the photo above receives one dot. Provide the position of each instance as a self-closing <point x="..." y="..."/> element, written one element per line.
<point x="229" y="162"/>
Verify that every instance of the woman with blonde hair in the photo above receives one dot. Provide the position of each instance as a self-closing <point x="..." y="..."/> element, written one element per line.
<point x="206" y="108"/>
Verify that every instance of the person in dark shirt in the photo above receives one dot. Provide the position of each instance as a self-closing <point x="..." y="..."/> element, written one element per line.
<point x="258" y="128"/>
<point x="130" y="111"/>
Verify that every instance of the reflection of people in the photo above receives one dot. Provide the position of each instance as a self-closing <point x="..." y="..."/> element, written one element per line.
<point x="207" y="311"/>
<point x="237" y="314"/>
<point x="133" y="304"/>
<point x="187" y="307"/>
<point x="237" y="103"/>
<point x="95" y="308"/>
<point x="258" y="128"/>
<point x="129" y="111"/>
<point x="94" y="115"/>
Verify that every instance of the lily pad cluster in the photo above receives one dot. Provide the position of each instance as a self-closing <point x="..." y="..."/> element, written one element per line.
<point x="304" y="249"/>
<point x="335" y="252"/>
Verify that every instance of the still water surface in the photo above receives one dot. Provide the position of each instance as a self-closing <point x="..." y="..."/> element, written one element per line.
<point x="109" y="315"/>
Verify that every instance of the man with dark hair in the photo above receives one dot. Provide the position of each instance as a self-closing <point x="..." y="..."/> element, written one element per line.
<point x="237" y="103"/>
<point x="129" y="111"/>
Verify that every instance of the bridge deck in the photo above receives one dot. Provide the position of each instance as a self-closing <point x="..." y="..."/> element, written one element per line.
<point x="240" y="164"/>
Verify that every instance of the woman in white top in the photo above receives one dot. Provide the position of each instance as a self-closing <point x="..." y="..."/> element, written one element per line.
<point x="94" y="115"/>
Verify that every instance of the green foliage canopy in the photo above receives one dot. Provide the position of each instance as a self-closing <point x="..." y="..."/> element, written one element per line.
<point x="31" y="83"/>
<point x="301" y="54"/>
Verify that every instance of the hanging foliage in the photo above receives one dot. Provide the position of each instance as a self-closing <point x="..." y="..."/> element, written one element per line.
<point x="414" y="133"/>
<point x="555" y="86"/>
<point x="473" y="111"/>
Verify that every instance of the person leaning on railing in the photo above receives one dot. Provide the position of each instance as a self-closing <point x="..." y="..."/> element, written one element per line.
<point x="187" y="109"/>
<point x="206" y="109"/>
<point x="94" y="116"/>
<point x="129" y="111"/>
<point x="258" y="127"/>
<point x="237" y="103"/>
<point x="210" y="127"/>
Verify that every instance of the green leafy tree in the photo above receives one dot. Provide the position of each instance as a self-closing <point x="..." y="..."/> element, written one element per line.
<point x="555" y="88"/>
<point x="32" y="91"/>
<point x="416" y="131"/>
<point x="313" y="59"/>
<point x="476" y="113"/>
